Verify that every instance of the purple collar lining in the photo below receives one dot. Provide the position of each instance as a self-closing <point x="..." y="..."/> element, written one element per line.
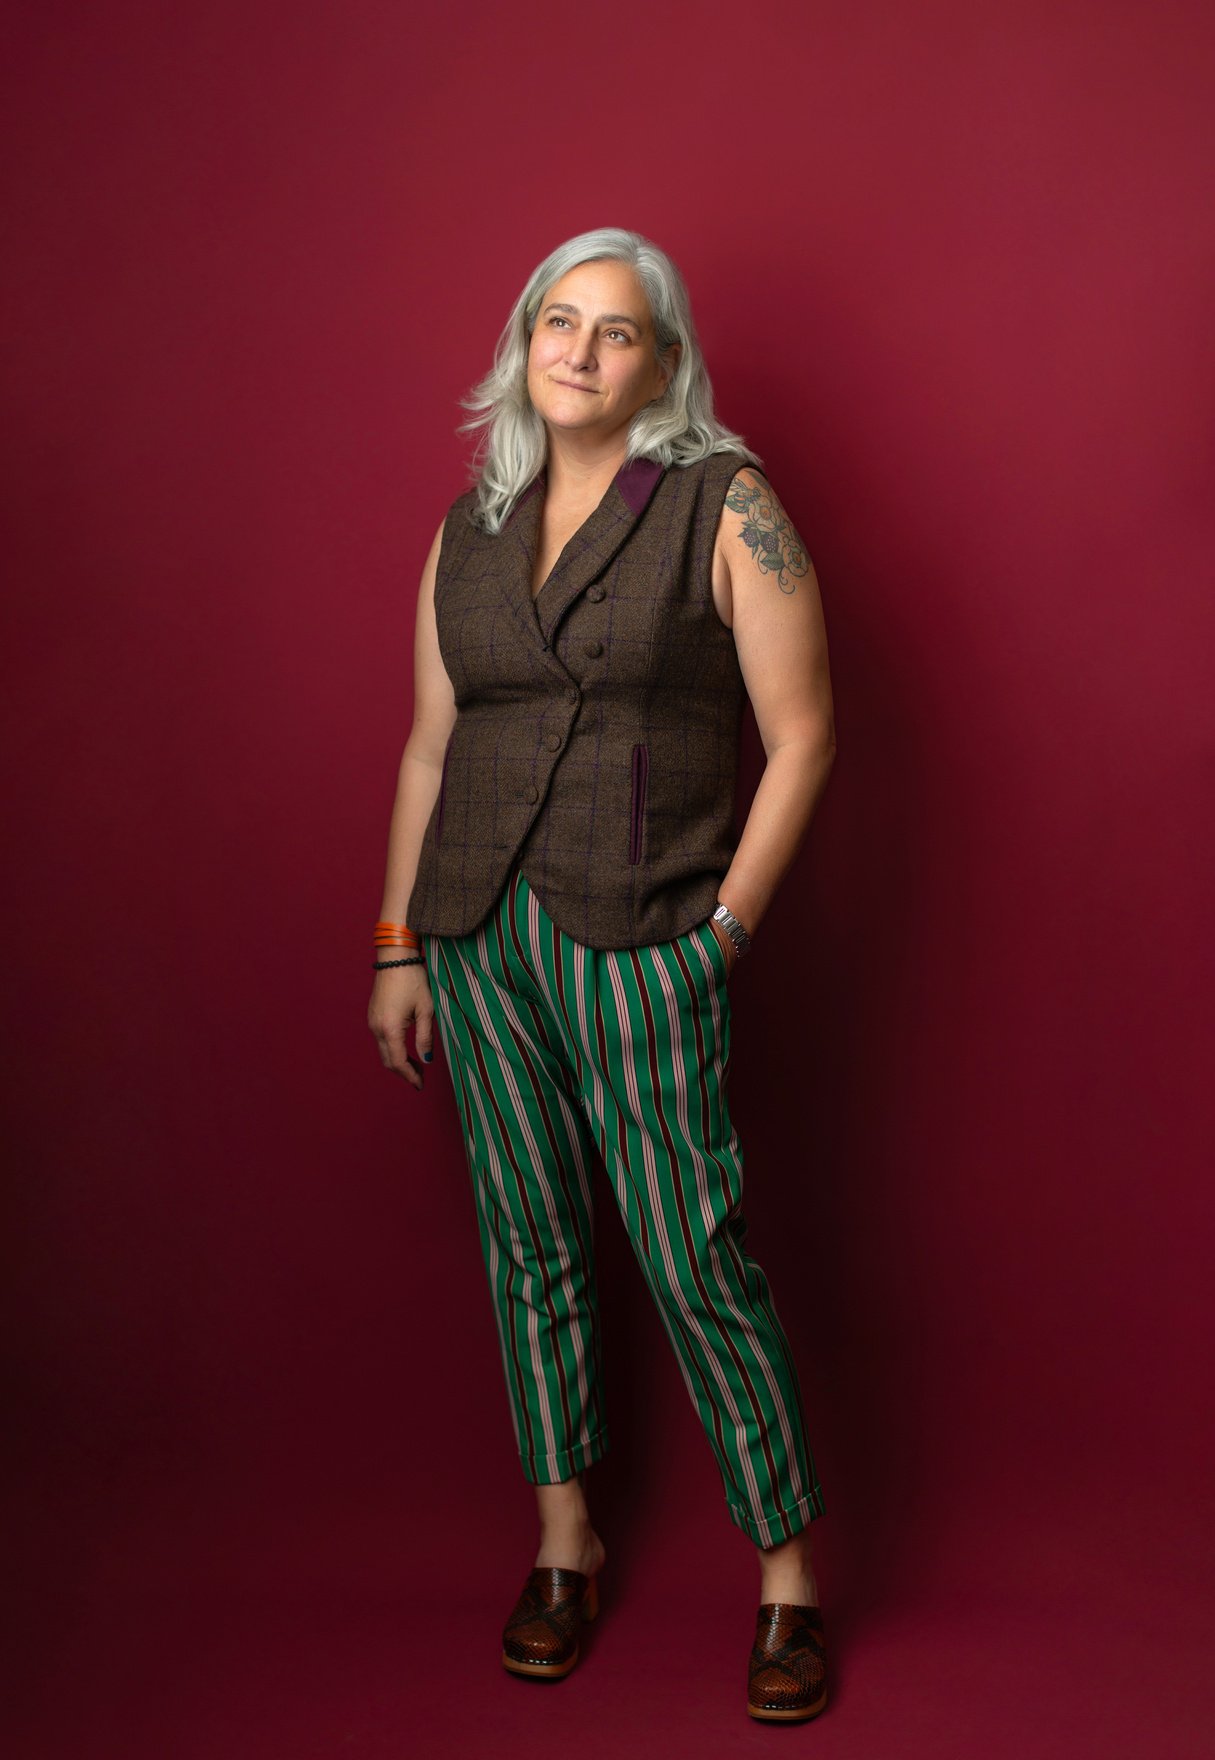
<point x="634" y="480"/>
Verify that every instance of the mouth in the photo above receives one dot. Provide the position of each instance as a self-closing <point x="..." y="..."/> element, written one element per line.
<point x="568" y="386"/>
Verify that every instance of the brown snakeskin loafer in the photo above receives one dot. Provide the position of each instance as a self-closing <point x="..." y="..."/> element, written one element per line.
<point x="541" y="1635"/>
<point x="787" y="1672"/>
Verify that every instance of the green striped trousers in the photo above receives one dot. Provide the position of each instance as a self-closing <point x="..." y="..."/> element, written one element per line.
<point x="558" y="1051"/>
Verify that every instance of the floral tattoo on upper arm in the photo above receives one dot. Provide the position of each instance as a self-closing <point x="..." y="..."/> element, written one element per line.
<point x="768" y="532"/>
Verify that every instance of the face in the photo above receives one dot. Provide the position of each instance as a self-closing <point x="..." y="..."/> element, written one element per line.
<point x="590" y="364"/>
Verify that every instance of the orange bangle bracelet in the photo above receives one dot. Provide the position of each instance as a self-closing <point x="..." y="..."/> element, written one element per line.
<point x="386" y="934"/>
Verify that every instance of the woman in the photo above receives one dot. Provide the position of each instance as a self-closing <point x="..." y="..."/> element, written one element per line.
<point x="566" y="892"/>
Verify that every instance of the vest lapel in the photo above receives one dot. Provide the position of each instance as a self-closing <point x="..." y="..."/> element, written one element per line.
<point x="586" y="554"/>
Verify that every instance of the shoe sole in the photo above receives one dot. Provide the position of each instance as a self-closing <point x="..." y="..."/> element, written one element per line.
<point x="801" y="1714"/>
<point x="540" y="1671"/>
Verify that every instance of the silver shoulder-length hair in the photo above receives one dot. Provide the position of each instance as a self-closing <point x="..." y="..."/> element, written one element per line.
<point x="679" y="429"/>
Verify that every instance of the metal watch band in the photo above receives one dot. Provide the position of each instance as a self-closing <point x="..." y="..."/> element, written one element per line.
<point x="734" y="929"/>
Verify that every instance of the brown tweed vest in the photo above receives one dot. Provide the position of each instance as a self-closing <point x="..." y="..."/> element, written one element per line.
<point x="597" y="726"/>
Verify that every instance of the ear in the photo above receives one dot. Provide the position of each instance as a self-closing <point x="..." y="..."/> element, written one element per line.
<point x="670" y="361"/>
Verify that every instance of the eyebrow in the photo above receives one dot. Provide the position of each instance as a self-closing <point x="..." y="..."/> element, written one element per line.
<point x="558" y="305"/>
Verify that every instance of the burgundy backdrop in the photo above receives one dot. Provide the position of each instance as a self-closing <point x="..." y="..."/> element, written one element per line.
<point x="952" y="269"/>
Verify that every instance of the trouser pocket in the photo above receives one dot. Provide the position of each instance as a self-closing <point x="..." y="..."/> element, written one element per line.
<point x="714" y="948"/>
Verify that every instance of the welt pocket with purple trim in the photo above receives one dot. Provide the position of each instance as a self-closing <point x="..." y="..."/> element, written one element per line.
<point x="641" y="770"/>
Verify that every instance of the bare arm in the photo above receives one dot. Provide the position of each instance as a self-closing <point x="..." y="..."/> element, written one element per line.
<point x="402" y="996"/>
<point x="779" y="632"/>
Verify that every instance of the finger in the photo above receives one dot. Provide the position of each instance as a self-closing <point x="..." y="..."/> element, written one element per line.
<point x="390" y="1042"/>
<point x="398" y="1060"/>
<point x="424" y="1037"/>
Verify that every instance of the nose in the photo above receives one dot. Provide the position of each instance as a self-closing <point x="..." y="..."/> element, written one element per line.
<point x="580" y="351"/>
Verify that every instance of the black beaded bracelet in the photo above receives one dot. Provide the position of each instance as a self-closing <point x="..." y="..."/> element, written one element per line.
<point x="382" y="965"/>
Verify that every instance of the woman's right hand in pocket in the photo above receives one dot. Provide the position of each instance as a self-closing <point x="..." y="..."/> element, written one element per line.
<point x="401" y="998"/>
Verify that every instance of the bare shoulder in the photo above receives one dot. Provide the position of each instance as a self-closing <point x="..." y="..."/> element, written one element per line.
<point x="430" y="571"/>
<point x="434" y="710"/>
<point x="756" y="539"/>
<point x="432" y="560"/>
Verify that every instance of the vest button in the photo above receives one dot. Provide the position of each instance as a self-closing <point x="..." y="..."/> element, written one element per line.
<point x="553" y="741"/>
<point x="595" y="593"/>
<point x="594" y="649"/>
<point x="531" y="793"/>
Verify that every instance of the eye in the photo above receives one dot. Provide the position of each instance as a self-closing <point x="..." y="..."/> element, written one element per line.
<point x="624" y="336"/>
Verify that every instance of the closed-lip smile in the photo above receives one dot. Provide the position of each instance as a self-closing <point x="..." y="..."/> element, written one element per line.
<point x="570" y="386"/>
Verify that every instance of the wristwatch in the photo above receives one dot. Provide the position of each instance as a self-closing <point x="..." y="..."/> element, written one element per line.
<point x="734" y="929"/>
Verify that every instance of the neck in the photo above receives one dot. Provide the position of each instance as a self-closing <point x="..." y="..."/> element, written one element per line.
<point x="573" y="471"/>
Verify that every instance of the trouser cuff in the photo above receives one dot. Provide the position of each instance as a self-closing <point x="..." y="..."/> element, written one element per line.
<point x="551" y="1469"/>
<point x="770" y="1530"/>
